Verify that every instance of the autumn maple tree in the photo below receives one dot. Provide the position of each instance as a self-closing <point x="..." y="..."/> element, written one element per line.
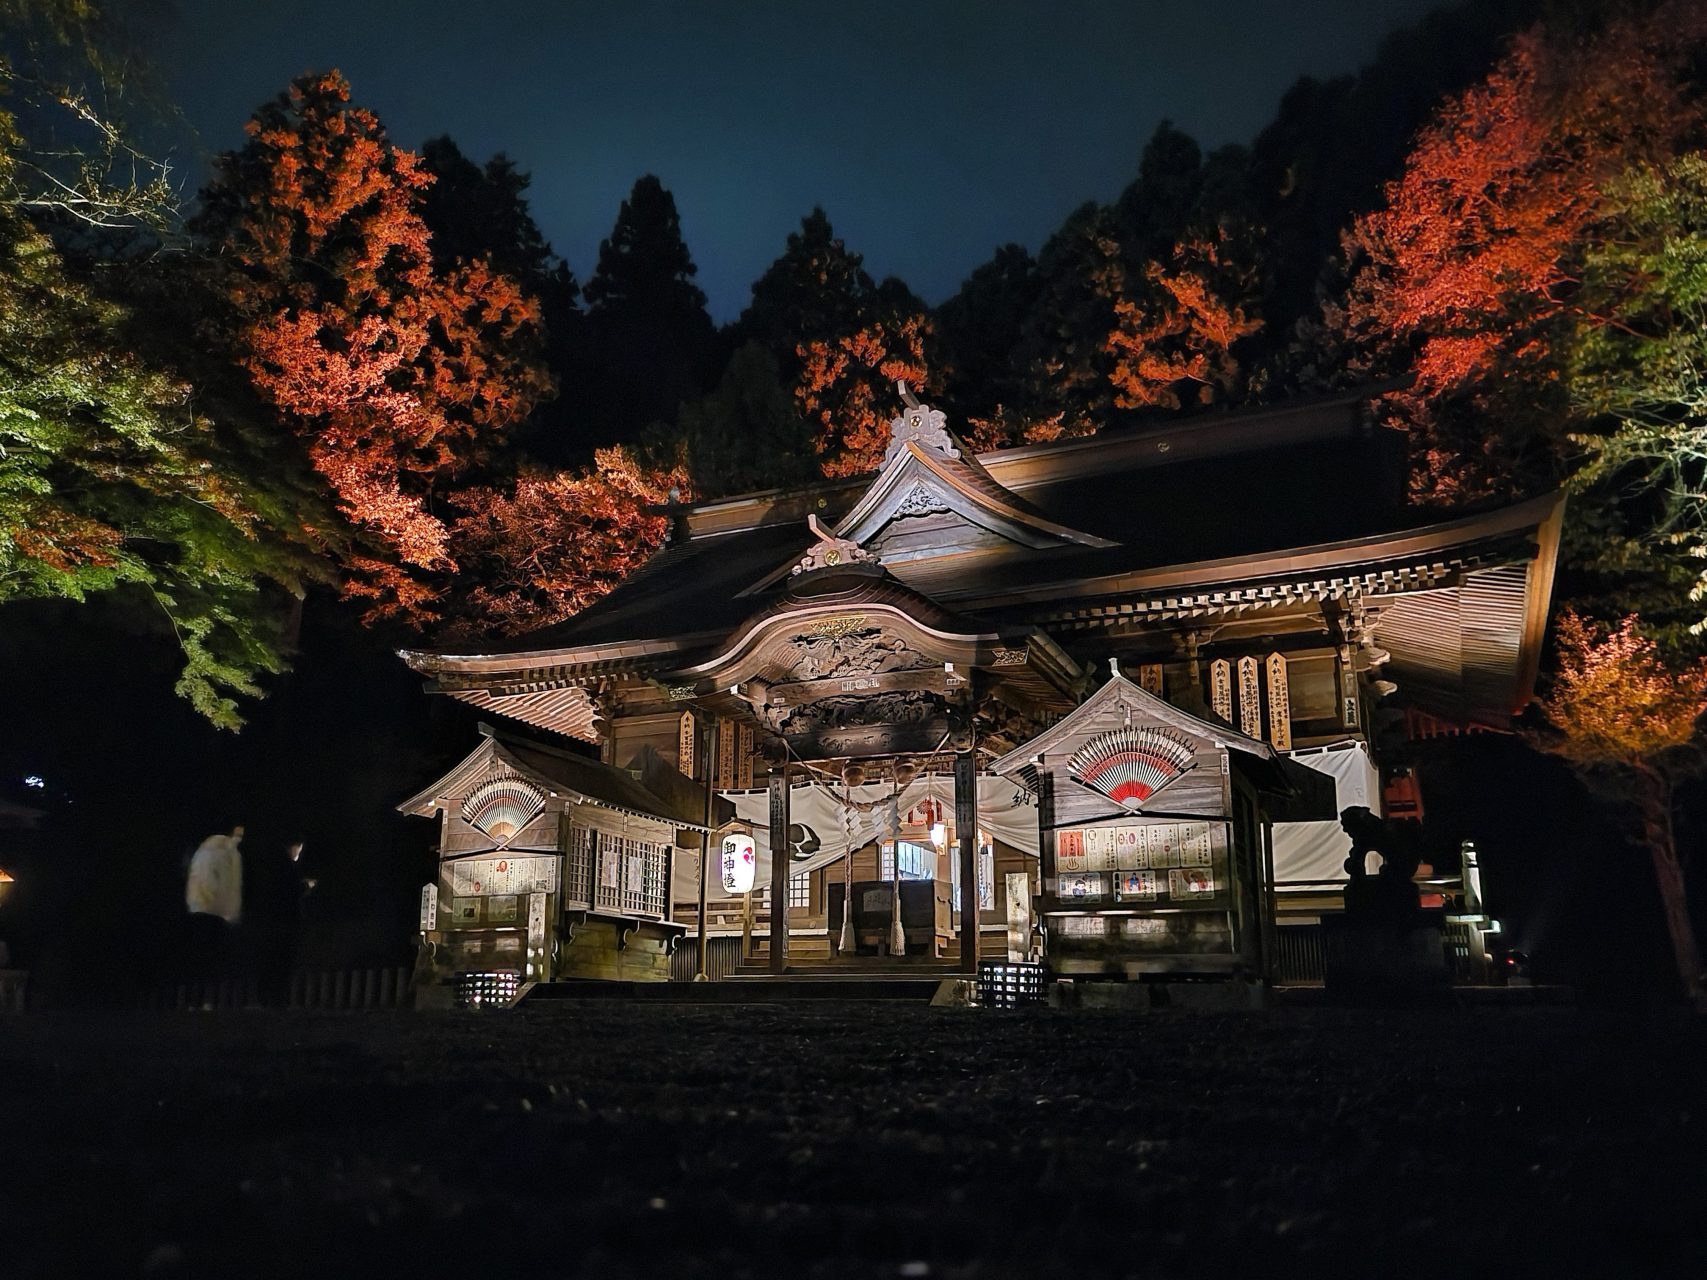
<point x="847" y="383"/>
<point x="1182" y="330"/>
<point x="1467" y="276"/>
<point x="547" y="549"/>
<point x="1626" y="718"/>
<point x="397" y="376"/>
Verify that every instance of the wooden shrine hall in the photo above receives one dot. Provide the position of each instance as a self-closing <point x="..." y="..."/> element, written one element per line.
<point x="1100" y="700"/>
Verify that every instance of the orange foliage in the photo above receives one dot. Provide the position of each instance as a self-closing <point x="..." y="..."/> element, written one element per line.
<point x="1007" y="427"/>
<point x="397" y="376"/>
<point x="1615" y="699"/>
<point x="1184" y="330"/>
<point x="1474" y="256"/>
<point x="847" y="389"/>
<point x="558" y="542"/>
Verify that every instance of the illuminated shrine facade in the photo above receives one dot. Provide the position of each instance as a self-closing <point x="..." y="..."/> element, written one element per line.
<point x="1099" y="699"/>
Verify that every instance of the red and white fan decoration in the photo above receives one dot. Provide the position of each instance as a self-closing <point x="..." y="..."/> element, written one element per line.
<point x="1130" y="765"/>
<point x="501" y="808"/>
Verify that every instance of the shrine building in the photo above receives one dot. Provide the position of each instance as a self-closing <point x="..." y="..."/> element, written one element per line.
<point x="1099" y="701"/>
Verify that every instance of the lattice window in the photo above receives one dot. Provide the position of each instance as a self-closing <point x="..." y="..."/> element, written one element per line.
<point x="800" y="891"/>
<point x="630" y="876"/>
<point x="577" y="843"/>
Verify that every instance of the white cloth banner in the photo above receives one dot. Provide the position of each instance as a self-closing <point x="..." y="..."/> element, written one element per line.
<point x="1006" y="812"/>
<point x="1317" y="850"/>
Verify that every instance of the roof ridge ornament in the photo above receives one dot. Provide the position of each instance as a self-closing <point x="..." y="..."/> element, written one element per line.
<point x="829" y="551"/>
<point x="922" y="424"/>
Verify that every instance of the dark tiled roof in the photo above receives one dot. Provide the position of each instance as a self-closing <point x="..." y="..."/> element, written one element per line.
<point x="1226" y="493"/>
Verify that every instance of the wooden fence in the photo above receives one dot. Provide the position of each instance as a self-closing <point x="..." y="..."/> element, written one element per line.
<point x="321" y="989"/>
<point x="721" y="957"/>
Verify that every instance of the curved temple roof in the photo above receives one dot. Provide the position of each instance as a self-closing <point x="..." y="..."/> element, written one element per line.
<point x="1083" y="545"/>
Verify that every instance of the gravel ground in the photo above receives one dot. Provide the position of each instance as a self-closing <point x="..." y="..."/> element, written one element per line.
<point x="607" y="1139"/>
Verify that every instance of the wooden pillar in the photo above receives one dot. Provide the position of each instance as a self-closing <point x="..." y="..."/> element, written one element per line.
<point x="779" y="868"/>
<point x="702" y="943"/>
<point x="1047" y="885"/>
<point x="966" y="827"/>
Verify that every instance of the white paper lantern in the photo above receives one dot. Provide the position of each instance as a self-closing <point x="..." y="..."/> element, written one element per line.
<point x="740" y="861"/>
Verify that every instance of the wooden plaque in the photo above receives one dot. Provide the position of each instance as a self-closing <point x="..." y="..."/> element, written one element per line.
<point x="1279" y="704"/>
<point x="726" y="736"/>
<point x="1221" y="689"/>
<point x="1250" y="697"/>
<point x="685" y="738"/>
<point x="744" y="757"/>
<point x="1150" y="678"/>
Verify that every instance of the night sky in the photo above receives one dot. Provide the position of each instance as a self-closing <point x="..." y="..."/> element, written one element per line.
<point x="930" y="131"/>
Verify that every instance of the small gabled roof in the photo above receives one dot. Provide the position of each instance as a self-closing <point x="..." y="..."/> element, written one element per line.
<point x="946" y="478"/>
<point x="1295" y="793"/>
<point x="560" y="772"/>
<point x="1118" y="692"/>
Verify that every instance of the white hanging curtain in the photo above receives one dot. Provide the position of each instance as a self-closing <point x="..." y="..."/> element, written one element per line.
<point x="1006" y="812"/>
<point x="1317" y="850"/>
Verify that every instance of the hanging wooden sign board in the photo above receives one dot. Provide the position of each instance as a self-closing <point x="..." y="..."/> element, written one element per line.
<point x="1150" y="678"/>
<point x="1250" y="697"/>
<point x="1279" y="704"/>
<point x="685" y="744"/>
<point x="1221" y="689"/>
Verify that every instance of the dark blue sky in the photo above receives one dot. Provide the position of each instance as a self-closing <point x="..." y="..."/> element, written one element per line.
<point x="931" y="131"/>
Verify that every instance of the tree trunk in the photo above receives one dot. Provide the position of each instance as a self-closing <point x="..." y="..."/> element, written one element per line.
<point x="1662" y="844"/>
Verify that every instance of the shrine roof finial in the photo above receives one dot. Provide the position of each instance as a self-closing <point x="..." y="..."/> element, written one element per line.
<point x="920" y="424"/>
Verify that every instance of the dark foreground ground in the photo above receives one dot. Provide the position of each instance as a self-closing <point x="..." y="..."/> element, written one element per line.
<point x="854" y="1140"/>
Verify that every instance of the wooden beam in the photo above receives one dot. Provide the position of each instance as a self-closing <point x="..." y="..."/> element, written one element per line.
<point x="779" y="868"/>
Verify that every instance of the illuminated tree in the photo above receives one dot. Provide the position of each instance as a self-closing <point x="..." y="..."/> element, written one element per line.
<point x="116" y="475"/>
<point x="1082" y="273"/>
<point x="1639" y="375"/>
<point x="545" y="550"/>
<point x="398" y="376"/>
<point x="1182" y="330"/>
<point x="846" y="390"/>
<point x="1468" y="273"/>
<point x="1626" y="720"/>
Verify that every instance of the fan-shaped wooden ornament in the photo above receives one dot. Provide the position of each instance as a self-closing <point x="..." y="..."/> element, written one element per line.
<point x="501" y="808"/>
<point x="1130" y="765"/>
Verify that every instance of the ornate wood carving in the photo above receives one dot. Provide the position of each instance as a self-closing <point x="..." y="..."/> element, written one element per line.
<point x="825" y="656"/>
<point x="910" y="720"/>
<point x="920" y="424"/>
<point x="830" y="551"/>
<point x="929" y="679"/>
<point x="921" y="500"/>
